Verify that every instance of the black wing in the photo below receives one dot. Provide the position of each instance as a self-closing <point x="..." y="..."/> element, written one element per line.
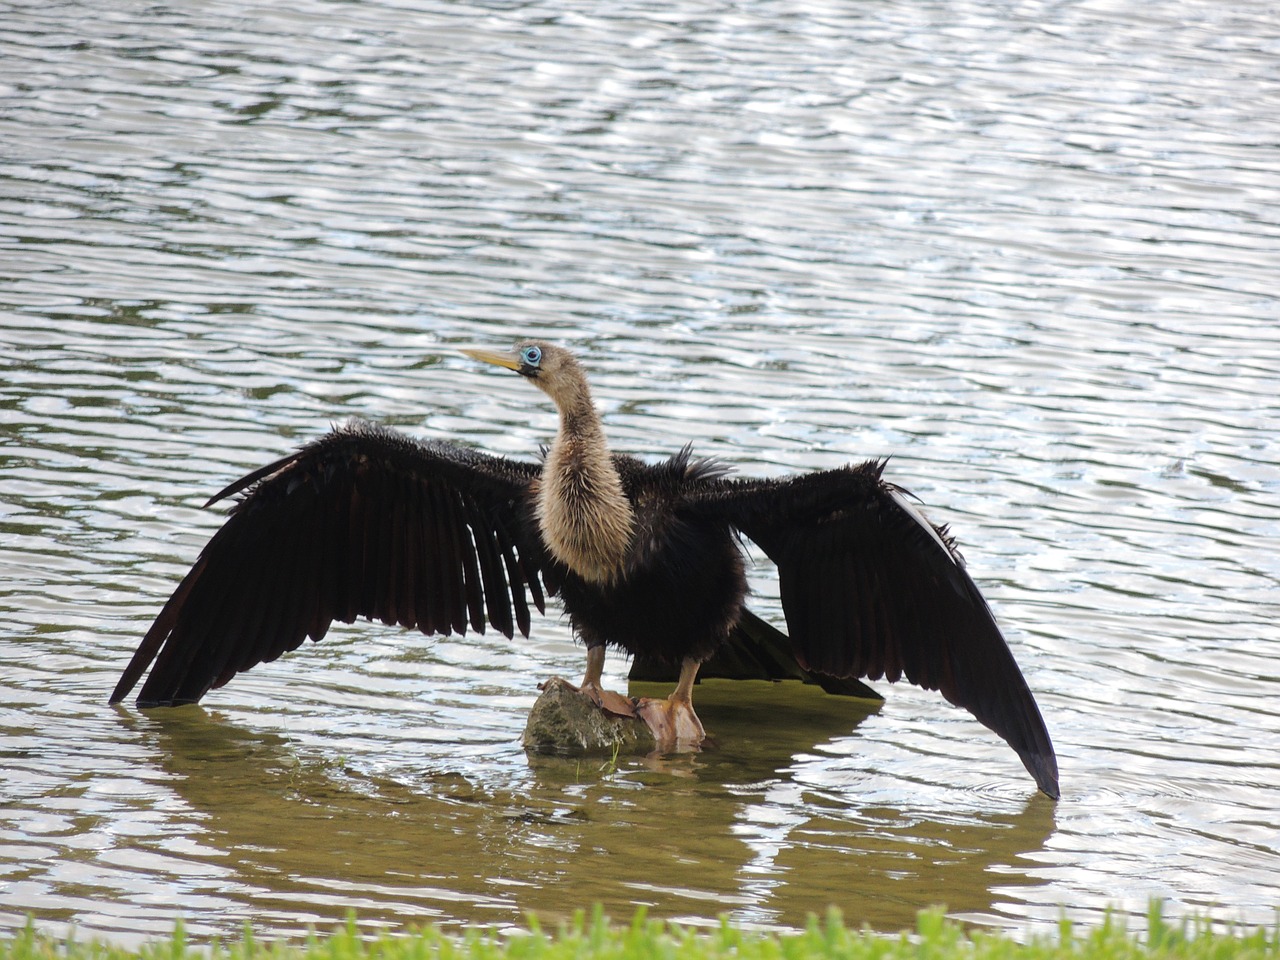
<point x="870" y="588"/>
<point x="362" y="522"/>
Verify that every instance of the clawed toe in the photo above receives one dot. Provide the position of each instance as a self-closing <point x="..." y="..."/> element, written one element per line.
<point x="609" y="701"/>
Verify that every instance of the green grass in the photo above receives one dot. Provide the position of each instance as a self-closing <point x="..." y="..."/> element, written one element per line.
<point x="594" y="938"/>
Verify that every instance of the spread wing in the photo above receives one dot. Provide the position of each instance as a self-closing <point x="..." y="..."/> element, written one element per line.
<point x="362" y="522"/>
<point x="870" y="588"/>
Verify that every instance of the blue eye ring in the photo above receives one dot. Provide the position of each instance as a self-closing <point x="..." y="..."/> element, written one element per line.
<point x="532" y="356"/>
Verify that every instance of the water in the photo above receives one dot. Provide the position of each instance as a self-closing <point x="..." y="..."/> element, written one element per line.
<point x="1029" y="249"/>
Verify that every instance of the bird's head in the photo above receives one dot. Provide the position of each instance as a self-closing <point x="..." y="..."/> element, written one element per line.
<point x="552" y="369"/>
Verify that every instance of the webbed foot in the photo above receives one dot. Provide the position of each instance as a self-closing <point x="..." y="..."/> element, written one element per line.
<point x="674" y="724"/>
<point x="610" y="701"/>
<point x="607" y="700"/>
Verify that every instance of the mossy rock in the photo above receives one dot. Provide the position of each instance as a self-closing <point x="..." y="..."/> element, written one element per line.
<point x="569" y="723"/>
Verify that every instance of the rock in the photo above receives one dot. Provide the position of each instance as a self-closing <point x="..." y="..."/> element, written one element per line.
<point x="567" y="722"/>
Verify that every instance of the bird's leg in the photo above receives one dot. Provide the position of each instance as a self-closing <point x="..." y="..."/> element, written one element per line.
<point x="607" y="700"/>
<point x="595" y="671"/>
<point x="673" y="722"/>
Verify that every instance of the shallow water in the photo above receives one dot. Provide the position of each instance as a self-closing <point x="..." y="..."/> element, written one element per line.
<point x="1028" y="249"/>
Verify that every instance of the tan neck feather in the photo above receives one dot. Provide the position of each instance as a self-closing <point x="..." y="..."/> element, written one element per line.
<point x="584" y="516"/>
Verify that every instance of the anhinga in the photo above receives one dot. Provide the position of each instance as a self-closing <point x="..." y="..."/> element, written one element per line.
<point x="645" y="557"/>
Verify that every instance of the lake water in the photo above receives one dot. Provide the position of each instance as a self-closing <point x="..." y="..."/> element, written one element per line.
<point x="1029" y="249"/>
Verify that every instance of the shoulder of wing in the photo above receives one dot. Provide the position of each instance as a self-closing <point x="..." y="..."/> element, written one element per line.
<point x="804" y="497"/>
<point x="671" y="481"/>
<point x="358" y="448"/>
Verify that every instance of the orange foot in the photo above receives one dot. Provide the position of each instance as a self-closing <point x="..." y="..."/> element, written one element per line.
<point x="607" y="700"/>
<point x="674" y="724"/>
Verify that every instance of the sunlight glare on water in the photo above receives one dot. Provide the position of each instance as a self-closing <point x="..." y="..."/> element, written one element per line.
<point x="1026" y="249"/>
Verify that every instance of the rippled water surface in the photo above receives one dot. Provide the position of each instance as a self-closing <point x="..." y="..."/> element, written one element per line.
<point x="1030" y="249"/>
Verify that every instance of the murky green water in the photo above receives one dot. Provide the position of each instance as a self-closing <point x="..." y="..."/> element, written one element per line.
<point x="1028" y="249"/>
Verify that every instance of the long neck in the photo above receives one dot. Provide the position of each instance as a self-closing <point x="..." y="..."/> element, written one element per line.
<point x="583" y="514"/>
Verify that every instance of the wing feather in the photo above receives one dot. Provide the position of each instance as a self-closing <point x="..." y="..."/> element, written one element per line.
<point x="363" y="522"/>
<point x="870" y="588"/>
<point x="433" y="606"/>
<point x="512" y="564"/>
<point x="492" y="574"/>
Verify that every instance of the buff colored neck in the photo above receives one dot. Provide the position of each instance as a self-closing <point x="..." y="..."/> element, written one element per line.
<point x="584" y="516"/>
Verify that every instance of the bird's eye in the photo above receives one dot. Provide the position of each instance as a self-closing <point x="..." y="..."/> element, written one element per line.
<point x="531" y="355"/>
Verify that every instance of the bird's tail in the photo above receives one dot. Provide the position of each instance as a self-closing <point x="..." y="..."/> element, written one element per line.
<point x="755" y="650"/>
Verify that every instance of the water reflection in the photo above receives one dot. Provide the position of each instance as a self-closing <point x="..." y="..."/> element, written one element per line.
<point x="690" y="836"/>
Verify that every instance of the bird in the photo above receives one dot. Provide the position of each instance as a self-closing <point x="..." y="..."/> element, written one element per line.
<point x="647" y="558"/>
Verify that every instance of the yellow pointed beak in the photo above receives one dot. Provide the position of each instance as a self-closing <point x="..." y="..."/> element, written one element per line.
<point x="508" y="360"/>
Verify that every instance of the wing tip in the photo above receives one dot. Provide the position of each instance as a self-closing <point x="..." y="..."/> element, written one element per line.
<point x="1044" y="769"/>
